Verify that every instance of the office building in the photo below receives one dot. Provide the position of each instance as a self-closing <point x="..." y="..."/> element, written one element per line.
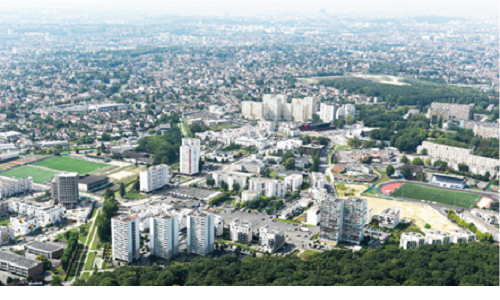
<point x="271" y="238"/>
<point x="189" y="156"/>
<point x="125" y="238"/>
<point x="200" y="233"/>
<point x="343" y="220"/>
<point x="64" y="189"/>
<point x="389" y="218"/>
<point x="327" y="111"/>
<point x="154" y="178"/>
<point x="164" y="236"/>
<point x="241" y="231"/>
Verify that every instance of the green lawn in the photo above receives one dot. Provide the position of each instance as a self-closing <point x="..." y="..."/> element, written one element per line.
<point x="39" y="175"/>
<point x="5" y="222"/>
<point x="85" y="276"/>
<point x="134" y="195"/>
<point x="83" y="236"/>
<point x="90" y="261"/>
<point x="342" y="147"/>
<point x="308" y="253"/>
<point x="71" y="165"/>
<point x="418" y="192"/>
<point x="92" y="234"/>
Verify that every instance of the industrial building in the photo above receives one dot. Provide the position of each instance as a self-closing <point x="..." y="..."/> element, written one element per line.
<point x="241" y="231"/>
<point x="125" y="238"/>
<point x="154" y="178"/>
<point x="164" y="236"/>
<point x="64" y="189"/>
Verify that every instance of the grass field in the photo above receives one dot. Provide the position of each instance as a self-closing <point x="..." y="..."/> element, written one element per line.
<point x="39" y="175"/>
<point x="71" y="165"/>
<point x="418" y="192"/>
<point x="308" y="253"/>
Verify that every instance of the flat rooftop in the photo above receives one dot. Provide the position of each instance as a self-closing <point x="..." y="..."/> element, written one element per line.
<point x="92" y="179"/>
<point x="18" y="260"/>
<point x="44" y="246"/>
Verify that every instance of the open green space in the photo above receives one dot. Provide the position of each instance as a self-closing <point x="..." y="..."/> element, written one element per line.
<point x="342" y="147"/>
<point x="308" y="253"/>
<point x="5" y="222"/>
<point x="133" y="195"/>
<point x="418" y="192"/>
<point x="90" y="261"/>
<point x="85" y="275"/>
<point x="72" y="165"/>
<point x="83" y="236"/>
<point x="39" y="175"/>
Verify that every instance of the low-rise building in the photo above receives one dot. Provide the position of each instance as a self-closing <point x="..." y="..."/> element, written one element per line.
<point x="47" y="249"/>
<point x="19" y="265"/>
<point x="294" y="182"/>
<point x="15" y="187"/>
<point x="6" y="235"/>
<point x="241" y="231"/>
<point x="458" y="236"/>
<point x="411" y="240"/>
<point x="313" y="216"/>
<point x="389" y="218"/>
<point x="92" y="182"/>
<point x="250" y="195"/>
<point x="437" y="237"/>
<point x="449" y="181"/>
<point x="318" y="180"/>
<point x="271" y="238"/>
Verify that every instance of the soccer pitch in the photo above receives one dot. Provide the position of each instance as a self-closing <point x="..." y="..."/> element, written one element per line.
<point x="418" y="192"/>
<point x="71" y="165"/>
<point x="39" y="175"/>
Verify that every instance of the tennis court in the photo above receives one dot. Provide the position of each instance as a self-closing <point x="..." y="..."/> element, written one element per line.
<point x="72" y="165"/>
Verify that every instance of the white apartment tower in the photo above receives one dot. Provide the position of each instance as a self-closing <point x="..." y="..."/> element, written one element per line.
<point x="154" y="177"/>
<point x="327" y="111"/>
<point x="125" y="238"/>
<point x="164" y="236"/>
<point x="190" y="156"/>
<point x="200" y="233"/>
<point x="271" y="238"/>
<point x="389" y="218"/>
<point x="64" y="189"/>
<point x="241" y="231"/>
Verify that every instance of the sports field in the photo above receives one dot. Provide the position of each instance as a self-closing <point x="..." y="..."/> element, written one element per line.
<point x="39" y="175"/>
<point x="71" y="165"/>
<point x="418" y="192"/>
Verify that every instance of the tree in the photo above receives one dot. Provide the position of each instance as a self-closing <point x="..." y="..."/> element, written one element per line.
<point x="440" y="122"/>
<point x="301" y="152"/>
<point x="9" y="280"/>
<point x="463" y="168"/>
<point x="200" y="165"/>
<point x="56" y="281"/>
<point x="404" y="159"/>
<point x="406" y="172"/>
<point x="367" y="160"/>
<point x="340" y="123"/>
<point x="428" y="162"/>
<point x="236" y="186"/>
<point x="210" y="181"/>
<point x="417" y="161"/>
<point x="290" y="163"/>
<point x="389" y="170"/>
<point x="354" y="143"/>
<point x="137" y="185"/>
<point x="423" y="152"/>
<point x="267" y="172"/>
<point x="487" y="176"/>
<point x="103" y="148"/>
<point x="122" y="189"/>
<point x="350" y="119"/>
<point x="82" y="229"/>
<point x="223" y="185"/>
<point x="29" y="278"/>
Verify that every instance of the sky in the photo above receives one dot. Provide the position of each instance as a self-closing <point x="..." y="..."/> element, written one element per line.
<point x="236" y="7"/>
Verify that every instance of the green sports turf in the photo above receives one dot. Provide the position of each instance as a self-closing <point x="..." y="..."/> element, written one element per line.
<point x="71" y="165"/>
<point x="39" y="175"/>
<point x="418" y="192"/>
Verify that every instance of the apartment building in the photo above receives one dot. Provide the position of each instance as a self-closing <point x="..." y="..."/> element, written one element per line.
<point x="317" y="193"/>
<point x="64" y="189"/>
<point x="327" y="111"/>
<point x="271" y="238"/>
<point x="219" y="225"/>
<point x="200" y="233"/>
<point x="345" y="110"/>
<point x="318" y="180"/>
<point x="268" y="187"/>
<point x="313" y="216"/>
<point x="15" y="187"/>
<point x="389" y="218"/>
<point x="125" y="238"/>
<point x="154" y="178"/>
<point x="458" y="236"/>
<point x="6" y="235"/>
<point x="294" y="181"/>
<point x="189" y="156"/>
<point x="437" y="238"/>
<point x="343" y="220"/>
<point x="164" y="236"/>
<point x="241" y="231"/>
<point x="454" y="111"/>
<point x="275" y="108"/>
<point x="411" y="240"/>
<point x="484" y="130"/>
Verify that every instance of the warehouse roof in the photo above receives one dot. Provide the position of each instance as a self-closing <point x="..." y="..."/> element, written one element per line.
<point x="91" y="179"/>
<point x="18" y="260"/>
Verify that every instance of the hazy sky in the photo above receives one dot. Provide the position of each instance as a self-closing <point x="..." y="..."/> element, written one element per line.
<point x="236" y="7"/>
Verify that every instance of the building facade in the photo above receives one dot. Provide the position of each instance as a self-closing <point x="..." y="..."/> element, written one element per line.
<point x="125" y="238"/>
<point x="153" y="178"/>
<point x="343" y="220"/>
<point x="327" y="111"/>
<point x="271" y="238"/>
<point x="164" y="236"/>
<point x="64" y="189"/>
<point x="241" y="231"/>
<point x="189" y="156"/>
<point x="200" y="233"/>
<point x="15" y="187"/>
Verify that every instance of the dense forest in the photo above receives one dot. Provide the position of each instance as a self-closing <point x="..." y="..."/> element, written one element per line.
<point x="164" y="147"/>
<point x="421" y="95"/>
<point x="451" y="264"/>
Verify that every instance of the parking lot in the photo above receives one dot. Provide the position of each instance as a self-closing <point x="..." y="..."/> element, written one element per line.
<point x="294" y="239"/>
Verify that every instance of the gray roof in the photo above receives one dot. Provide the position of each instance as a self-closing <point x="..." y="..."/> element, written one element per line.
<point x="91" y="179"/>
<point x="18" y="260"/>
<point x="44" y="246"/>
